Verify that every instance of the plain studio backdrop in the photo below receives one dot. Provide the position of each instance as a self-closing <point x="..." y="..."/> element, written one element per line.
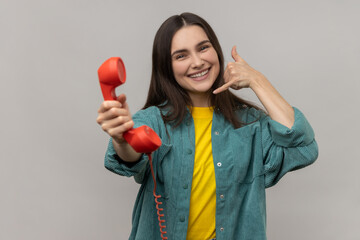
<point x="53" y="183"/>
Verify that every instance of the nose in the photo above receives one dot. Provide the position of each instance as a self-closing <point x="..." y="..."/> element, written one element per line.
<point x="197" y="61"/>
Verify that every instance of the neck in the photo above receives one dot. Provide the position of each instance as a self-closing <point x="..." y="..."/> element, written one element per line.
<point x="200" y="100"/>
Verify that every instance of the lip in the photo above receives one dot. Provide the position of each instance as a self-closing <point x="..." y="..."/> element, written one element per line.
<point x="198" y="72"/>
<point x="201" y="77"/>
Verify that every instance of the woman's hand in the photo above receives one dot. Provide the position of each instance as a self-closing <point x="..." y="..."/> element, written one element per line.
<point x="114" y="118"/>
<point x="239" y="74"/>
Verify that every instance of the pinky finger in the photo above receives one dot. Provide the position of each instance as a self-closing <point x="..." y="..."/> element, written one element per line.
<point x="222" y="88"/>
<point x="117" y="132"/>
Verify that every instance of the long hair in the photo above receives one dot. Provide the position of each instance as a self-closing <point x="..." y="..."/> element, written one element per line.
<point x="165" y="92"/>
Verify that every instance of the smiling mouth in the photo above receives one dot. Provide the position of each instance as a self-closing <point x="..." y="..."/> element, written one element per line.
<point x="200" y="74"/>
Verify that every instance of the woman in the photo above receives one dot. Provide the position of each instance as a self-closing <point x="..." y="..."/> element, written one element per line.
<point x="218" y="152"/>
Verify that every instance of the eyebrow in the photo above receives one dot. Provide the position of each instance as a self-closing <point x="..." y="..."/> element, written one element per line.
<point x="184" y="50"/>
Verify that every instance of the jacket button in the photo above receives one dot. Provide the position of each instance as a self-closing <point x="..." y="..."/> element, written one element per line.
<point x="219" y="164"/>
<point x="185" y="186"/>
<point x="182" y="219"/>
<point x="189" y="151"/>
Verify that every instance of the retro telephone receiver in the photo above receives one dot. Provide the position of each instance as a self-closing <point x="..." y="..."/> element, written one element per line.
<point x="112" y="74"/>
<point x="142" y="139"/>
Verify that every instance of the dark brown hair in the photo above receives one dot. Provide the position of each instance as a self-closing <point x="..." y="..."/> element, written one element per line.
<point x="165" y="92"/>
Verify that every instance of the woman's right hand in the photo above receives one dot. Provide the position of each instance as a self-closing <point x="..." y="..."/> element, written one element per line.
<point x="114" y="118"/>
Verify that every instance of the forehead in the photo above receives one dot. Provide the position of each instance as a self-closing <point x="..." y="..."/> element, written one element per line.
<point x="188" y="37"/>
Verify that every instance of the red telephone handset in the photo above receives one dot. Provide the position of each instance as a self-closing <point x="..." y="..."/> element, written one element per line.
<point x="112" y="74"/>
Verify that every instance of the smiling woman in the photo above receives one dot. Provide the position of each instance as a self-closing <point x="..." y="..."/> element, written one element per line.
<point x="219" y="153"/>
<point x="164" y="86"/>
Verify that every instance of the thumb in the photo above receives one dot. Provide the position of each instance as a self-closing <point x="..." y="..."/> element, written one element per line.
<point x="122" y="98"/>
<point x="235" y="55"/>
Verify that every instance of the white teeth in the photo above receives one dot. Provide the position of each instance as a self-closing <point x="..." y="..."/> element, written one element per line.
<point x="199" y="74"/>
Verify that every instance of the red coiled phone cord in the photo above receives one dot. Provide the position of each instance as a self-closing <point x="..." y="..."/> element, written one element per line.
<point x="160" y="215"/>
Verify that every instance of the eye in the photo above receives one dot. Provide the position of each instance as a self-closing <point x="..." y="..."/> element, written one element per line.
<point x="180" y="56"/>
<point x="204" y="47"/>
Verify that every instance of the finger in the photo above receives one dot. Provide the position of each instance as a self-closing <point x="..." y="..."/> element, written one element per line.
<point x="227" y="83"/>
<point x="227" y="74"/>
<point x="115" y="122"/>
<point x="114" y="113"/>
<point x="111" y="114"/>
<point x="244" y="83"/>
<point x="117" y="132"/>
<point x="236" y="56"/>
<point x="222" y="88"/>
<point x="106" y="105"/>
<point x="122" y="98"/>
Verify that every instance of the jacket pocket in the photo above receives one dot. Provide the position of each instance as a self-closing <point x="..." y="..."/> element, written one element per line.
<point x="247" y="152"/>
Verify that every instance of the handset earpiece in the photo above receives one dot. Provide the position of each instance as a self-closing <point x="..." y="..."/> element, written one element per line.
<point x="111" y="75"/>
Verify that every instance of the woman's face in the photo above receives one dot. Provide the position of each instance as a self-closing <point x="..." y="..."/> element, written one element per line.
<point x="195" y="62"/>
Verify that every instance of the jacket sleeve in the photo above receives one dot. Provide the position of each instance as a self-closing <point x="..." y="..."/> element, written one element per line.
<point x="116" y="165"/>
<point x="286" y="149"/>
<point x="138" y="169"/>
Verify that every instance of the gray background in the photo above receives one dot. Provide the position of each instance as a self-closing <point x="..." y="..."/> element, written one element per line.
<point x="52" y="181"/>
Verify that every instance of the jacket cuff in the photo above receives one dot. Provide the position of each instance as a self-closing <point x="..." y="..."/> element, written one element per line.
<point x="300" y="134"/>
<point x="117" y="165"/>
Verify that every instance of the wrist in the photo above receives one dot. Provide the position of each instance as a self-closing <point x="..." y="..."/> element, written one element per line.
<point x="119" y="142"/>
<point x="125" y="151"/>
<point x="259" y="83"/>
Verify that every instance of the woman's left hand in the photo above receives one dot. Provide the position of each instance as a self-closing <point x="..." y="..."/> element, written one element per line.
<point x="239" y="74"/>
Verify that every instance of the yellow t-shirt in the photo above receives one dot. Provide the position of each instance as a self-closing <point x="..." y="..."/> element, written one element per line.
<point x="203" y="189"/>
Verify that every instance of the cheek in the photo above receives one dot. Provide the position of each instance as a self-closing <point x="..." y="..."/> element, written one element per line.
<point x="178" y="68"/>
<point x="214" y="60"/>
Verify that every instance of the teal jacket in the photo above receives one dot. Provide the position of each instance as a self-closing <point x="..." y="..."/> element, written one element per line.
<point x="246" y="160"/>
